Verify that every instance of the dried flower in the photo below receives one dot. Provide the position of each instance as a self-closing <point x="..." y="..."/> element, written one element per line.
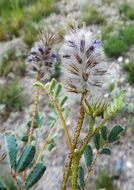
<point x="42" y="56"/>
<point x="83" y="61"/>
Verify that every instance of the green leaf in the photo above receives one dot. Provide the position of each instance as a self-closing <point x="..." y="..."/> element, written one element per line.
<point x="63" y="100"/>
<point x="26" y="158"/>
<point x="38" y="120"/>
<point x="25" y="138"/>
<point x="88" y="155"/>
<point x="2" y="185"/>
<point x="81" y="176"/>
<point x="67" y="112"/>
<point x="52" y="85"/>
<point x="104" y="133"/>
<point x="38" y="84"/>
<point x="53" y="118"/>
<point x="115" y="131"/>
<point x="106" y="151"/>
<point x="97" y="141"/>
<point x="37" y="117"/>
<point x="114" y="107"/>
<point x="11" y="148"/>
<point x="57" y="90"/>
<point x="51" y="146"/>
<point x="35" y="124"/>
<point x="35" y="175"/>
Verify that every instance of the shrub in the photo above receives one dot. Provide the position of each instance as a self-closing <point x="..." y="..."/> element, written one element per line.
<point x="127" y="34"/>
<point x="15" y="13"/>
<point x="104" y="181"/>
<point x="91" y="15"/>
<point x="30" y="33"/>
<point x="5" y="65"/>
<point x="114" y="46"/>
<point x="12" y="63"/>
<point x="129" y="68"/>
<point x="127" y="11"/>
<point x="11" y="96"/>
<point x="116" y="43"/>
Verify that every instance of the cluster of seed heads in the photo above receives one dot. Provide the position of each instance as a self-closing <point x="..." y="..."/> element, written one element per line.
<point x="82" y="60"/>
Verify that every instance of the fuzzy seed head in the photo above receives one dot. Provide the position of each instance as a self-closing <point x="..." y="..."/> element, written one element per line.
<point x="83" y="61"/>
<point x="42" y="56"/>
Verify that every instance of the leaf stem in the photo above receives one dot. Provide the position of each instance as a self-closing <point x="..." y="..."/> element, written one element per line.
<point x="63" y="121"/>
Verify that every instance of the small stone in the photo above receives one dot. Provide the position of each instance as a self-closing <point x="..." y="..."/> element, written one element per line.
<point x="120" y="60"/>
<point x="129" y="164"/>
<point x="106" y="95"/>
<point x="127" y="60"/>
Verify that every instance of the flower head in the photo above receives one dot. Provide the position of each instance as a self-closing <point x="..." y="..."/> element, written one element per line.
<point x="42" y="56"/>
<point x="83" y="61"/>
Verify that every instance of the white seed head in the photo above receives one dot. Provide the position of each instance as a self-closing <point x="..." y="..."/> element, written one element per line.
<point x="83" y="61"/>
<point x="42" y="56"/>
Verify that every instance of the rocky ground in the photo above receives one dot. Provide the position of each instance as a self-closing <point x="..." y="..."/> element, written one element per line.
<point x="123" y="153"/>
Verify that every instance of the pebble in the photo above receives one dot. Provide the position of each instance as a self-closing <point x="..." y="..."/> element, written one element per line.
<point x="120" y="60"/>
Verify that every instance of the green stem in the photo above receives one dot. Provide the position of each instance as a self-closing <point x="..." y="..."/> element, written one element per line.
<point x="79" y="154"/>
<point x="75" y="140"/>
<point x="63" y="121"/>
<point x="75" y="172"/>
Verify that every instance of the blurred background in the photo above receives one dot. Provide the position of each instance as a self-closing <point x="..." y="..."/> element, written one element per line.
<point x="112" y="22"/>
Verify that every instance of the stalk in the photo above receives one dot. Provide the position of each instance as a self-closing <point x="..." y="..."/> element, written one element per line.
<point x="75" y="141"/>
<point x="31" y="130"/>
<point x="36" y="97"/>
<point x="63" y="121"/>
<point x="78" y="156"/>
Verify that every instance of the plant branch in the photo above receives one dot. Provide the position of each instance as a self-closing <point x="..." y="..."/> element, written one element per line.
<point x="31" y="130"/>
<point x="75" y="141"/>
<point x="79" y="154"/>
<point x="36" y="97"/>
<point x="59" y="110"/>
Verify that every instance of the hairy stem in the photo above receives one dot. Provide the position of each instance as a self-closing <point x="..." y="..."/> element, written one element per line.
<point x="75" y="141"/>
<point x="75" y="172"/>
<point x="31" y="130"/>
<point x="79" y="155"/>
<point x="33" y="115"/>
